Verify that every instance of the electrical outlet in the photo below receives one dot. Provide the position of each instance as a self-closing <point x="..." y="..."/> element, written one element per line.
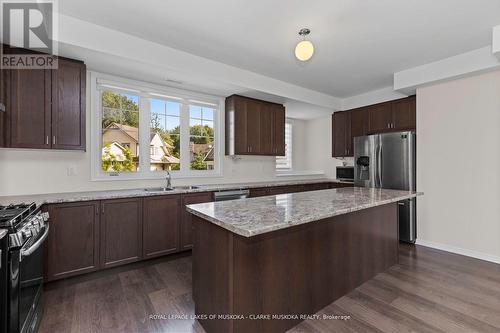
<point x="71" y="171"/>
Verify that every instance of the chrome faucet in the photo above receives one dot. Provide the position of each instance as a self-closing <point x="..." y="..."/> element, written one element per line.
<point x="169" y="180"/>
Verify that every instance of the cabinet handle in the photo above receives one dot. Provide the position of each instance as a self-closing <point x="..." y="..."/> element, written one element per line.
<point x="54" y="140"/>
<point x="47" y="140"/>
<point x="388" y="125"/>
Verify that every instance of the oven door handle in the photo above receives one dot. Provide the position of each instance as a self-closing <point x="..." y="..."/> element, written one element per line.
<point x="36" y="245"/>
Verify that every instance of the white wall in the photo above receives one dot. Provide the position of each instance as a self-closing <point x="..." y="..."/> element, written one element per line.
<point x="458" y="162"/>
<point x="319" y="146"/>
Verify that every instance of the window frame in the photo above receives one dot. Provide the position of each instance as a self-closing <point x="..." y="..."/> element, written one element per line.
<point x="147" y="91"/>
<point x="288" y="122"/>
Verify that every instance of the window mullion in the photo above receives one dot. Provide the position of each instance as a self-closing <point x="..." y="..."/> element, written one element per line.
<point x="184" y="141"/>
<point x="144" y="135"/>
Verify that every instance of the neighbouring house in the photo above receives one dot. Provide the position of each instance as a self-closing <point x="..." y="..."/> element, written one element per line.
<point x="118" y="137"/>
<point x="206" y="149"/>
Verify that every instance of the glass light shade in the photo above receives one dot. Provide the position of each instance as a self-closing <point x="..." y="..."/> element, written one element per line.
<point x="304" y="50"/>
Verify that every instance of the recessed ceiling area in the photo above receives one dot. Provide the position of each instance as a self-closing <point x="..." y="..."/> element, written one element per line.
<point x="359" y="44"/>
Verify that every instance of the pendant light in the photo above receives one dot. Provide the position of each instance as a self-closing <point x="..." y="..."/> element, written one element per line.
<point x="304" y="49"/>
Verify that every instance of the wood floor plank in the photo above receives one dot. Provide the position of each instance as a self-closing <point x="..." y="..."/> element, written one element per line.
<point x="383" y="316"/>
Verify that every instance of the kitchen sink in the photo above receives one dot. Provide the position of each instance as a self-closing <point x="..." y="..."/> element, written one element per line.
<point x="166" y="189"/>
<point x="158" y="189"/>
<point x="186" y="187"/>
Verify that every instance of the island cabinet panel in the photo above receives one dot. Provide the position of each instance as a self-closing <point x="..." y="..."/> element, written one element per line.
<point x="161" y="215"/>
<point x="68" y="105"/>
<point x="254" y="127"/>
<point x="292" y="271"/>
<point x="186" y="229"/>
<point x="121" y="231"/>
<point x="73" y="242"/>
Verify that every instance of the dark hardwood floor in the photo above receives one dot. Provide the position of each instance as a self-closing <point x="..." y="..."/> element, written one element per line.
<point x="428" y="291"/>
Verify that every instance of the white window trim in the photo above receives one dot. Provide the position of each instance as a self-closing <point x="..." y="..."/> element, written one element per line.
<point x="147" y="90"/>
<point x="290" y="169"/>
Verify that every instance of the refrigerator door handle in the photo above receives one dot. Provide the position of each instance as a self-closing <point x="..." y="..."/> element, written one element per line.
<point x="379" y="166"/>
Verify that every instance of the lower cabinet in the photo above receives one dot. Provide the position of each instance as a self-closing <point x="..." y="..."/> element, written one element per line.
<point x="160" y="231"/>
<point x="121" y="231"/>
<point x="91" y="235"/>
<point x="73" y="242"/>
<point x="186" y="229"/>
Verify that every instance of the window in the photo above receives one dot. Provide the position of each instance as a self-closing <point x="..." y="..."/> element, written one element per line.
<point x="165" y="118"/>
<point x="201" y="137"/>
<point x="120" y="132"/>
<point x="145" y="131"/>
<point x="285" y="162"/>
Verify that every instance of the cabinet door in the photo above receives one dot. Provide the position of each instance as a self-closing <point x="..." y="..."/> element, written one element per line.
<point x="236" y="125"/>
<point x="4" y="105"/>
<point x="186" y="229"/>
<point x="121" y="231"/>
<point x="258" y="192"/>
<point x="161" y="217"/>
<point x="339" y="134"/>
<point x="380" y="118"/>
<point x="68" y="109"/>
<point x="30" y="108"/>
<point x="73" y="242"/>
<point x="404" y="113"/>
<point x="266" y="130"/>
<point x="253" y="112"/>
<point x="279" y="130"/>
<point x="359" y="127"/>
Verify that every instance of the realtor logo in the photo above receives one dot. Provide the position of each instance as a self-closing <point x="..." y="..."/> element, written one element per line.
<point x="28" y="34"/>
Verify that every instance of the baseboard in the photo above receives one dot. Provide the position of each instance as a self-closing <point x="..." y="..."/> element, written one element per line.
<point x="458" y="250"/>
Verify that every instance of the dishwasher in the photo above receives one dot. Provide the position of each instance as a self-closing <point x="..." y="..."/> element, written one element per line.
<point x="231" y="195"/>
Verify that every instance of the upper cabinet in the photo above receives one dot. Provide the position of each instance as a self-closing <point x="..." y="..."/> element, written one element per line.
<point x="68" y="105"/>
<point x="254" y="127"/>
<point x="393" y="116"/>
<point x="44" y="109"/>
<point x="390" y="116"/>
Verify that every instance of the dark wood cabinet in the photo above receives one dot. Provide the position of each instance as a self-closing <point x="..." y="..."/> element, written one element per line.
<point x="397" y="115"/>
<point x="380" y="117"/>
<point x="160" y="229"/>
<point x="73" y="242"/>
<point x="29" y="110"/>
<point x="186" y="228"/>
<point x="4" y="102"/>
<point x="404" y="113"/>
<point x="384" y="117"/>
<point x="121" y="231"/>
<point x="68" y="109"/>
<point x="44" y="109"/>
<point x="341" y="125"/>
<point x="279" y="129"/>
<point x="254" y="127"/>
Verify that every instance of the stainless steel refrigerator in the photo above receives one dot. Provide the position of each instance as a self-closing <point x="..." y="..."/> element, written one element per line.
<point x="389" y="161"/>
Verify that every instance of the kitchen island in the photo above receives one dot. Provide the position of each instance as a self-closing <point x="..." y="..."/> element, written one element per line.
<point x="265" y="264"/>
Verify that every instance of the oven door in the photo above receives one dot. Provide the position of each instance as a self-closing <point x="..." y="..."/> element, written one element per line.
<point x="29" y="285"/>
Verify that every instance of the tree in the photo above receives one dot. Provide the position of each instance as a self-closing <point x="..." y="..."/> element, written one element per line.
<point x="198" y="163"/>
<point x="201" y="134"/>
<point x="119" y="109"/>
<point x="112" y="162"/>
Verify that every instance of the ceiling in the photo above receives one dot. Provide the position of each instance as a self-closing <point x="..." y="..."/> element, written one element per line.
<point x="359" y="43"/>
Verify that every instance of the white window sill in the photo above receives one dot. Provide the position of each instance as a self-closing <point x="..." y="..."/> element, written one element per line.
<point x="291" y="173"/>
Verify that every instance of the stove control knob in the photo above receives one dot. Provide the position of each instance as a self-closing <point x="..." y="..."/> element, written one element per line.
<point x="45" y="216"/>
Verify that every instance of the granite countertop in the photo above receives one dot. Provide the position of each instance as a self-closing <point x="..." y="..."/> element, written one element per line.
<point x="50" y="198"/>
<point x="254" y="216"/>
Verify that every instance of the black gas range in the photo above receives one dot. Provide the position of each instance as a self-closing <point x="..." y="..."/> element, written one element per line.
<point x="27" y="229"/>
